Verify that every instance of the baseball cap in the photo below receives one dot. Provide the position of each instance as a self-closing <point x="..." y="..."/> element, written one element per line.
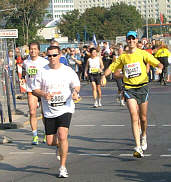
<point x="131" y="33"/>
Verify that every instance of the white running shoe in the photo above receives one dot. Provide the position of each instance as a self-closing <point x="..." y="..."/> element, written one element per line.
<point x="96" y="103"/>
<point x="63" y="172"/>
<point x="122" y="103"/>
<point x="144" y="143"/>
<point x="100" y="103"/>
<point x="138" y="152"/>
<point x="57" y="153"/>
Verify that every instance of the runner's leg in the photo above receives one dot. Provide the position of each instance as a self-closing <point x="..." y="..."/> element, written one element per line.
<point x="134" y="114"/>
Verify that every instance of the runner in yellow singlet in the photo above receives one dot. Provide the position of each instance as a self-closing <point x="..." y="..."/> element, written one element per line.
<point x="135" y="78"/>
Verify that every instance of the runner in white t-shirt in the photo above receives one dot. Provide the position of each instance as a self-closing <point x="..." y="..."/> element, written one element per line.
<point x="32" y="65"/>
<point x="57" y="85"/>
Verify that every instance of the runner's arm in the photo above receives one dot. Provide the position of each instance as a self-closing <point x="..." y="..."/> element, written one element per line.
<point x="159" y="68"/>
<point x="41" y="93"/>
<point x="86" y="68"/>
<point x="101" y="65"/>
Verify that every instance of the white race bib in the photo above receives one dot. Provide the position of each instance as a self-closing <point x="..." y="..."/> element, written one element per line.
<point x="57" y="100"/>
<point x="132" y="70"/>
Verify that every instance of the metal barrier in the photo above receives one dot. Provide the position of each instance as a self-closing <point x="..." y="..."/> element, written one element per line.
<point x="7" y="85"/>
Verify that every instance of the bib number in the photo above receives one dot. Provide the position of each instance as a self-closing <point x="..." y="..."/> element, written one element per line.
<point x="132" y="70"/>
<point x="57" y="100"/>
<point x="32" y="71"/>
<point x="94" y="70"/>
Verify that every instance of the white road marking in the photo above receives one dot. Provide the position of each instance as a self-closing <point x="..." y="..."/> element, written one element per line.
<point x="165" y="155"/>
<point x="85" y="154"/>
<point x="151" y="125"/>
<point x="92" y="96"/>
<point x="112" y="125"/>
<point x="166" y="125"/>
<point x="84" y="125"/>
<point x="50" y="153"/>
<point x="130" y="155"/>
<point x="21" y="153"/>
<point x="95" y="154"/>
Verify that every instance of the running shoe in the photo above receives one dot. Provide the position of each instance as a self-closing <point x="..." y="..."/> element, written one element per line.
<point x="57" y="153"/>
<point x="138" y="152"/>
<point x="63" y="172"/>
<point x="44" y="139"/>
<point x="35" y="140"/>
<point x="100" y="103"/>
<point x="144" y="143"/>
<point x="96" y="104"/>
<point x="122" y="103"/>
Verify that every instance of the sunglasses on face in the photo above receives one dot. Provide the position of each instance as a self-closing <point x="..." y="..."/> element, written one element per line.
<point x="53" y="55"/>
<point x="131" y="37"/>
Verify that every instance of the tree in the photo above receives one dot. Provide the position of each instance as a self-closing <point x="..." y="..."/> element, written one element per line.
<point x="69" y="24"/>
<point x="105" y="23"/>
<point x="27" y="18"/>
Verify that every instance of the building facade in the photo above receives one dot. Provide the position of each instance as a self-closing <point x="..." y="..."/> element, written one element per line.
<point x="58" y="7"/>
<point x="147" y="8"/>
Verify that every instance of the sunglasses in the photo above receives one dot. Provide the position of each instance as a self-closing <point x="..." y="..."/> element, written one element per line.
<point x="53" y="55"/>
<point x="131" y="37"/>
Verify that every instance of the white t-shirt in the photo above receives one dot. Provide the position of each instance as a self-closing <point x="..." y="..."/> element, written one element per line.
<point x="60" y="82"/>
<point x="32" y="68"/>
<point x="94" y="64"/>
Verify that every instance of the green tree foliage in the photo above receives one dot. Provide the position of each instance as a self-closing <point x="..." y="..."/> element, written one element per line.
<point x="27" y="18"/>
<point x="105" y="23"/>
<point x="69" y="24"/>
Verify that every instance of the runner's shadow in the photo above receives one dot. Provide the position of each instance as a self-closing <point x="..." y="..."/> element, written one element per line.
<point x="28" y="169"/>
<point x="24" y="142"/>
<point x="140" y="176"/>
<point x="104" y="140"/>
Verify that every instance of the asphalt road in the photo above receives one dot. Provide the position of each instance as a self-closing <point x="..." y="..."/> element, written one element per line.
<point x="101" y="144"/>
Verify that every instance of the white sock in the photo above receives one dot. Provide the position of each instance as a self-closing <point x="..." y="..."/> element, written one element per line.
<point x="34" y="133"/>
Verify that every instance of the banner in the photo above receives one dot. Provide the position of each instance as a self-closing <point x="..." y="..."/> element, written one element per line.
<point x="161" y="18"/>
<point x="8" y="33"/>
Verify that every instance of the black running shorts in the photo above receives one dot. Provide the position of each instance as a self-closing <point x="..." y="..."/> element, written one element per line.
<point x="95" y="78"/>
<point x="139" y="94"/>
<point x="52" y="124"/>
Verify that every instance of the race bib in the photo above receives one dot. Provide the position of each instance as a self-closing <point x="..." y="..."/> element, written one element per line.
<point x="32" y="71"/>
<point x="94" y="70"/>
<point x="57" y="100"/>
<point x="132" y="70"/>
